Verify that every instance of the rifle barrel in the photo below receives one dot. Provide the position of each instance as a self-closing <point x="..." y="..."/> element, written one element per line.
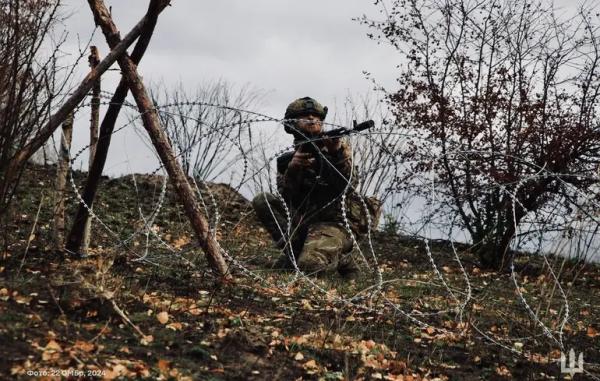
<point x="364" y="125"/>
<point x="345" y="131"/>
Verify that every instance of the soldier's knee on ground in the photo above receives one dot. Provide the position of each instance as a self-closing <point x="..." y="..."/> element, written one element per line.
<point x="316" y="260"/>
<point x="322" y="249"/>
<point x="348" y="263"/>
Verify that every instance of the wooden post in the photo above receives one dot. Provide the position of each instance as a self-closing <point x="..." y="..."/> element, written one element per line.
<point x="160" y="141"/>
<point x="75" y="236"/>
<point x="94" y="60"/>
<point x="61" y="182"/>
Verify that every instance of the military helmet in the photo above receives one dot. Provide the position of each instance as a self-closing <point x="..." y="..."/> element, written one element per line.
<point x="302" y="107"/>
<point x="305" y="106"/>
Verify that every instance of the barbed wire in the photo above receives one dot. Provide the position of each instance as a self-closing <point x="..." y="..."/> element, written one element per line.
<point x="375" y="291"/>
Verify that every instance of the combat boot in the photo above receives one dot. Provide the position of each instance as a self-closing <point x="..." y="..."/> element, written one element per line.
<point x="348" y="264"/>
<point x="284" y="261"/>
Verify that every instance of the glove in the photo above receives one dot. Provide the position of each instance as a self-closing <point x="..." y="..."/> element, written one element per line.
<point x="301" y="160"/>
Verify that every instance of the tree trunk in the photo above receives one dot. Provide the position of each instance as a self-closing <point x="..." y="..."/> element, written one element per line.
<point x="17" y="162"/>
<point x="61" y="182"/>
<point x="497" y="255"/>
<point x="94" y="60"/>
<point x="75" y="237"/>
<point x="160" y="141"/>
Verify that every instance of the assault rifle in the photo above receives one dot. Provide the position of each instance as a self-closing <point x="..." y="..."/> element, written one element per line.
<point x="342" y="131"/>
<point x="313" y="143"/>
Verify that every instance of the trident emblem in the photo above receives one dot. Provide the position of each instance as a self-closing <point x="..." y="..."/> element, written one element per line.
<point x="571" y="369"/>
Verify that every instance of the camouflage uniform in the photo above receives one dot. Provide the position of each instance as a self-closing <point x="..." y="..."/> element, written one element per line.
<point x="318" y="235"/>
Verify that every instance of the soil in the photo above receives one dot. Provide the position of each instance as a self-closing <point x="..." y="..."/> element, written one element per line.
<point x="147" y="306"/>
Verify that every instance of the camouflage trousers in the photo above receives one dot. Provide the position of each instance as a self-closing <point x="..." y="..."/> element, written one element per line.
<point x="316" y="246"/>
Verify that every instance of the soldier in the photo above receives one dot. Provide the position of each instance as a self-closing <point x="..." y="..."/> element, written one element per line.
<point x="312" y="180"/>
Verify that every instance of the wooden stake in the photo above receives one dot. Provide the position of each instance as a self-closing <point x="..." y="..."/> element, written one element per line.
<point x="94" y="60"/>
<point x="160" y="140"/>
<point x="61" y="181"/>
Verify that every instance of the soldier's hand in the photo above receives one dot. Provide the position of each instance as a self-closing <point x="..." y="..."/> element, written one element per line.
<point x="302" y="160"/>
<point x="333" y="144"/>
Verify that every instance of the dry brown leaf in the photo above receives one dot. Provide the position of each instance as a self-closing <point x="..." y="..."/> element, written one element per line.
<point x="84" y="346"/>
<point x="116" y="371"/>
<point x="164" y="365"/>
<point x="538" y="358"/>
<point x="21" y="299"/>
<point x="300" y="340"/>
<point x="124" y="349"/>
<point x="221" y="333"/>
<point x="147" y="339"/>
<point x="555" y="354"/>
<point x="175" y="326"/>
<point x="503" y="371"/>
<point x="394" y="377"/>
<point x="163" y="317"/>
<point x="181" y="241"/>
<point x="53" y="346"/>
<point x="51" y="351"/>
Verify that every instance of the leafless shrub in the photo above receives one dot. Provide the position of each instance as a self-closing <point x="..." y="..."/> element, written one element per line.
<point x="375" y="152"/>
<point x="501" y="101"/>
<point x="31" y="79"/>
<point x="207" y="128"/>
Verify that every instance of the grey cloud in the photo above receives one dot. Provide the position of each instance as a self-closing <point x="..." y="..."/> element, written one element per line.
<point x="287" y="48"/>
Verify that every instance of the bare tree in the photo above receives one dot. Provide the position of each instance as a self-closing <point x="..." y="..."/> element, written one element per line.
<point x="30" y="81"/>
<point x="207" y="129"/>
<point x="501" y="99"/>
<point x="377" y="166"/>
<point x="29" y="85"/>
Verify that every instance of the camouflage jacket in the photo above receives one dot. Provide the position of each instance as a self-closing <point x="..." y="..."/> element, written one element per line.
<point x="315" y="195"/>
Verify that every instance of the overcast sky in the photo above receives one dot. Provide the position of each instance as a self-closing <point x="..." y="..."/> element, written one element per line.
<point x="288" y="49"/>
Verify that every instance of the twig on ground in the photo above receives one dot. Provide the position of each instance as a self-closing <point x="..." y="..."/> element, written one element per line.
<point x="123" y="316"/>
<point x="101" y="331"/>
<point x="62" y="312"/>
<point x="30" y="237"/>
